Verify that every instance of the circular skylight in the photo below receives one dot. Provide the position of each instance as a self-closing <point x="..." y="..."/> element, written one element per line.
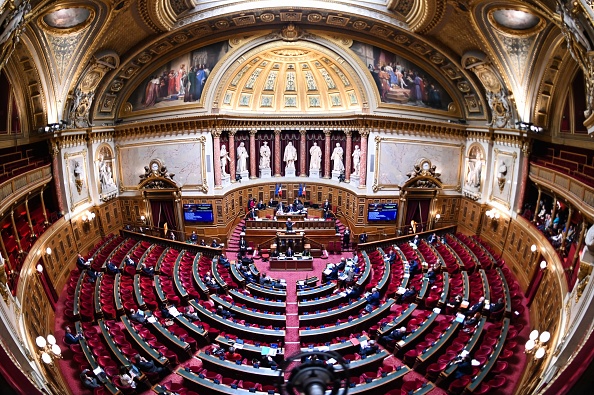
<point x="515" y="19"/>
<point x="67" y="18"/>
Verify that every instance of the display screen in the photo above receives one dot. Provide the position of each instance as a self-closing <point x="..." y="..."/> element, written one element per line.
<point x="382" y="212"/>
<point x="198" y="212"/>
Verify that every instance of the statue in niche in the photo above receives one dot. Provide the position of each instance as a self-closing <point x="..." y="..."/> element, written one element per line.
<point x="78" y="176"/>
<point x="315" y="161"/>
<point x="79" y="110"/>
<point x="500" y="109"/>
<point x="242" y="156"/>
<point x="224" y="159"/>
<point x="265" y="156"/>
<point x="573" y="25"/>
<point x="106" y="177"/>
<point x="13" y="20"/>
<point x="475" y="166"/>
<point x="501" y="176"/>
<point x="337" y="158"/>
<point x="356" y="161"/>
<point x="290" y="156"/>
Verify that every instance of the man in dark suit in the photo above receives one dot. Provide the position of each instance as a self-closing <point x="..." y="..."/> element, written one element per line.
<point x="243" y="245"/>
<point x="346" y="238"/>
<point x="129" y="262"/>
<point x="252" y="214"/>
<point x="194" y="237"/>
<point x="326" y="206"/>
<point x="408" y="294"/>
<point x="369" y="348"/>
<point x="289" y="252"/>
<point x="497" y="307"/>
<point x="146" y="366"/>
<point x="395" y="335"/>
<point x="373" y="299"/>
<point x="88" y="380"/>
<point x="392" y="257"/>
<point x="69" y="338"/>
<point x="271" y="203"/>
<point x="81" y="263"/>
<point x="475" y="307"/>
<point x="112" y="268"/>
<point x="223" y="312"/>
<point x="363" y="238"/>
<point x="261" y="206"/>
<point x="289" y="225"/>
<point x="433" y="238"/>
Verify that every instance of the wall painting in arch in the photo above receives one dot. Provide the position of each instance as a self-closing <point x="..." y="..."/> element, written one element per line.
<point x="179" y="81"/>
<point x="399" y="81"/>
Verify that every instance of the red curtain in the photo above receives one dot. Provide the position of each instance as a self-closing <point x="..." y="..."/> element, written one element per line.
<point x="163" y="212"/>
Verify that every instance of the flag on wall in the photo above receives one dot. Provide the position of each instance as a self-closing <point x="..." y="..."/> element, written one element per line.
<point x="303" y="190"/>
<point x="277" y="190"/>
<point x="300" y="190"/>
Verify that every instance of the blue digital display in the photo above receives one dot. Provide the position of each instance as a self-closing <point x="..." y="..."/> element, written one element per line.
<point x="382" y="212"/>
<point x="201" y="212"/>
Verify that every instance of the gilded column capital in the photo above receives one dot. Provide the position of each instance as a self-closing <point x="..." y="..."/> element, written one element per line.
<point x="348" y="132"/>
<point x="302" y="132"/>
<point x="216" y="133"/>
<point x="277" y="132"/>
<point x="232" y="132"/>
<point x="253" y="132"/>
<point x="364" y="133"/>
<point x="327" y="133"/>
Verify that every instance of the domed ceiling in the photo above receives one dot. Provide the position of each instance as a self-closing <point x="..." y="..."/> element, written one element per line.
<point x="290" y="78"/>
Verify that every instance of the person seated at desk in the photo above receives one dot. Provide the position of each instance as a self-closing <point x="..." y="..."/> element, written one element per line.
<point x="203" y="243"/>
<point x="363" y="238"/>
<point x="231" y="355"/>
<point x="210" y="281"/>
<point x="431" y="275"/>
<point x="396" y="335"/>
<point x="289" y="225"/>
<point x="342" y="264"/>
<point x="347" y="276"/>
<point x="224" y="312"/>
<point x="251" y="214"/>
<point x="217" y="350"/>
<point x="268" y="362"/>
<point x="165" y="312"/>
<point x="128" y="261"/>
<point x="171" y="236"/>
<point x="464" y="366"/>
<point x="89" y="380"/>
<point x="251" y="203"/>
<point x="416" y="240"/>
<point x="147" y="271"/>
<point x="112" y="268"/>
<point x="291" y="209"/>
<point x="243" y="246"/>
<point x="472" y="321"/>
<point x="193" y="237"/>
<point x="367" y="348"/>
<point x="224" y="261"/>
<point x="497" y="307"/>
<point x="373" y="299"/>
<point x="432" y="239"/>
<point x="92" y="275"/>
<point x="413" y="267"/>
<point x="274" y="253"/>
<point x="191" y="314"/>
<point x="147" y="366"/>
<point x="214" y="244"/>
<point x="82" y="264"/>
<point x="126" y="379"/>
<point x="353" y="293"/>
<point x="280" y="208"/>
<point x="137" y="316"/>
<point x="326" y="207"/>
<point x="330" y="273"/>
<point x="408" y="294"/>
<point x="475" y="307"/>
<point x="271" y="203"/>
<point x="392" y="257"/>
<point x="69" y="338"/>
<point x="261" y="205"/>
<point x="289" y="253"/>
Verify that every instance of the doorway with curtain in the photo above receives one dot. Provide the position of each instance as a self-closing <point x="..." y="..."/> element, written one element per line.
<point x="417" y="210"/>
<point x="163" y="214"/>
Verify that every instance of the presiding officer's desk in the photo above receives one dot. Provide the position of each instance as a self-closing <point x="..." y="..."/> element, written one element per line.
<point x="261" y="230"/>
<point x="292" y="263"/>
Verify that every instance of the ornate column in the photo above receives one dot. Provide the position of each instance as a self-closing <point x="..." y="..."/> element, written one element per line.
<point x="524" y="182"/>
<point x="578" y="249"/>
<point x="277" y="155"/>
<point x="363" y="163"/>
<point x="43" y="207"/>
<point x="216" y="149"/>
<point x="348" y="157"/>
<point x="564" y="235"/>
<point x="537" y="207"/>
<point x="327" y="154"/>
<point x="302" y="154"/>
<point x="4" y="253"/>
<point x="253" y="153"/>
<point x="56" y="176"/>
<point x="15" y="232"/>
<point x="29" y="217"/>
<point x="232" y="152"/>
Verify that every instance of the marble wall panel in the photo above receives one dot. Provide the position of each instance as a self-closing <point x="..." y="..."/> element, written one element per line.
<point x="182" y="158"/>
<point x="396" y="158"/>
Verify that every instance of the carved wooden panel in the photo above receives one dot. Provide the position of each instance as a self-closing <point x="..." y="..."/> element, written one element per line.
<point x="469" y="215"/>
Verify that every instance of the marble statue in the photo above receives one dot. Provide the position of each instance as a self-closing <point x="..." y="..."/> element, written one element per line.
<point x="242" y="156"/>
<point x="337" y="158"/>
<point x="265" y="156"/>
<point x="315" y="162"/>
<point x="290" y="156"/>
<point x="224" y="159"/>
<point x="106" y="177"/>
<point x="356" y="160"/>
<point x="475" y="166"/>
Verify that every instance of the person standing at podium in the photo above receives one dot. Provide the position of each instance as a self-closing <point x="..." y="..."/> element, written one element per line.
<point x="289" y="225"/>
<point x="289" y="252"/>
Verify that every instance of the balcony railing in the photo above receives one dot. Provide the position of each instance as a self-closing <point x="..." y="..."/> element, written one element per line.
<point x="11" y="188"/>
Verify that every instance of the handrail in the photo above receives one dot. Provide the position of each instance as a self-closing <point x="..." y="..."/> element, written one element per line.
<point x="25" y="181"/>
<point x="372" y="245"/>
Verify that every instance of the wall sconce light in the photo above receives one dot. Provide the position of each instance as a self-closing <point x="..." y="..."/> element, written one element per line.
<point x="49" y="349"/>
<point x="437" y="217"/>
<point x="143" y="219"/>
<point x="88" y="216"/>
<point x="493" y="215"/>
<point x="533" y="248"/>
<point x="543" y="265"/>
<point x="39" y="268"/>
<point x="48" y="251"/>
<point x="536" y="343"/>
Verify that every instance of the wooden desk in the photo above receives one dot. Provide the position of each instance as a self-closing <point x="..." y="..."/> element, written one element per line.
<point x="261" y="304"/>
<point x="397" y="322"/>
<point x="240" y="372"/>
<point x="199" y="333"/>
<point x="138" y="292"/>
<point x="432" y="350"/>
<point x="115" y="350"/>
<point x="508" y="302"/>
<point x="346" y="328"/>
<point x="97" y="295"/>
<point x="171" y="341"/>
<point x="117" y="296"/>
<point x="160" y="260"/>
<point x="267" y="292"/>
<point x="248" y="350"/>
<point x="382" y="384"/>
<point x="202" y="288"/>
<point x="183" y="293"/>
<point x="332" y="315"/>
<point x="151" y="352"/>
<point x="207" y="386"/>
<point x="469" y="347"/>
<point x="308" y="282"/>
<point x="346" y="347"/>
<point x="486" y="290"/>
<point x="291" y="264"/>
<point x="408" y="341"/>
<point x="76" y="304"/>
<point x="320" y="303"/>
<point x="317" y="291"/>
<point x="446" y="288"/>
<point x="255" y="317"/>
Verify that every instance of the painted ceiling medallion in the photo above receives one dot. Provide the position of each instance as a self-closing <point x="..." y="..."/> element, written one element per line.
<point x="515" y="21"/>
<point x="67" y="20"/>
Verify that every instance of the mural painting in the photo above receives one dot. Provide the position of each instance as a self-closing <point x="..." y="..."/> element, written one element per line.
<point x="179" y="81"/>
<point x="400" y="81"/>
